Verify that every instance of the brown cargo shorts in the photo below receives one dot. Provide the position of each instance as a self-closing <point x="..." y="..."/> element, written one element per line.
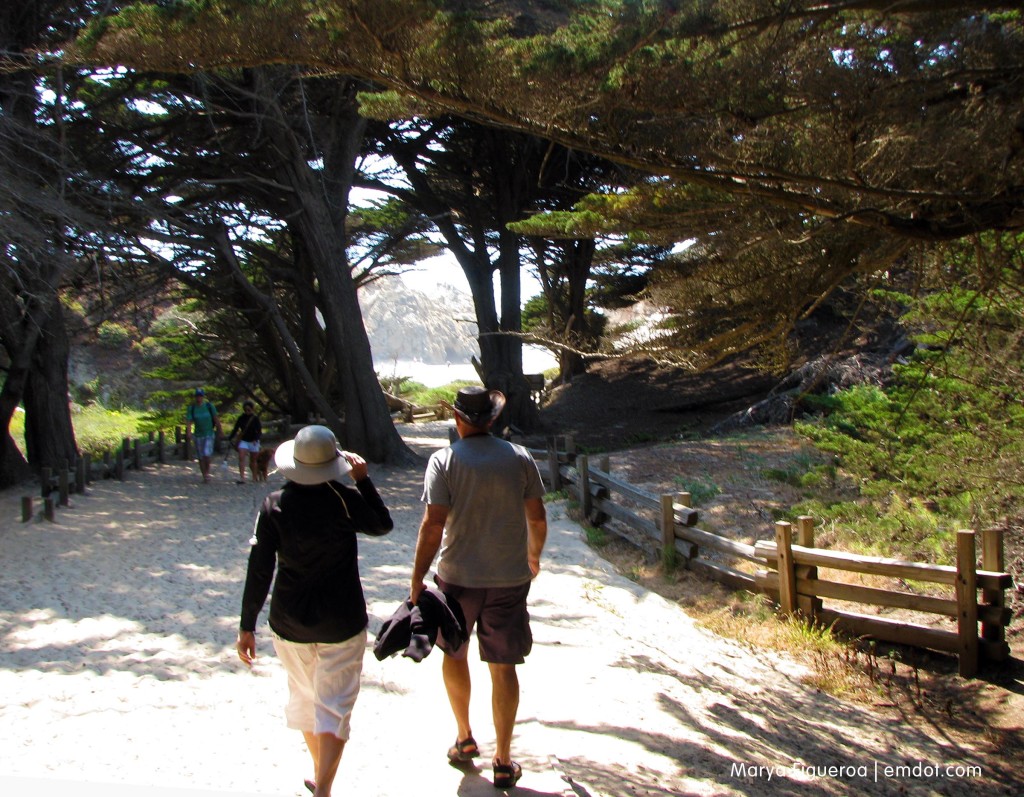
<point x="500" y="617"/>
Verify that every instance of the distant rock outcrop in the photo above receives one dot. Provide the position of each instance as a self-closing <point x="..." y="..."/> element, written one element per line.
<point x="405" y="324"/>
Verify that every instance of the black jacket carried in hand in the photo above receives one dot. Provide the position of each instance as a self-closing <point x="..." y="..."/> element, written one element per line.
<point x="415" y="627"/>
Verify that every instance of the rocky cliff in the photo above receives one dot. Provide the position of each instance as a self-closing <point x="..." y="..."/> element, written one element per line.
<point x="404" y="324"/>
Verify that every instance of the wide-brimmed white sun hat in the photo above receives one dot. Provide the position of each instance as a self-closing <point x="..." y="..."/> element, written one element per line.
<point x="313" y="457"/>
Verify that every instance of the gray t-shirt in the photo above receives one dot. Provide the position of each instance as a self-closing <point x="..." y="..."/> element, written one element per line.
<point x="483" y="481"/>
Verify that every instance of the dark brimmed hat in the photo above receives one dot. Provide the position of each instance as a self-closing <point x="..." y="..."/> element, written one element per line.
<point x="312" y="457"/>
<point x="477" y="406"/>
<point x="200" y="391"/>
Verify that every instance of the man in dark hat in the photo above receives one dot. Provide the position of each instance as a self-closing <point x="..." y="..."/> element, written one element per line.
<point x="485" y="513"/>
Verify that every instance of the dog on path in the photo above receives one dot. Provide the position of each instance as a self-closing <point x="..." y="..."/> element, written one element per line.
<point x="263" y="464"/>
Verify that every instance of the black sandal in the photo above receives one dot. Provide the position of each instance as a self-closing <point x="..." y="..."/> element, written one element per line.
<point x="506" y="775"/>
<point x="461" y="752"/>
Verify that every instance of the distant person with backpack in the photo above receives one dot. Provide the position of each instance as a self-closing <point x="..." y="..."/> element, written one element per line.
<point x="248" y="430"/>
<point x="203" y="416"/>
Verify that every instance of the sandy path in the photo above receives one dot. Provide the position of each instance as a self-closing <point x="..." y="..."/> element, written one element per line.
<point x="118" y="671"/>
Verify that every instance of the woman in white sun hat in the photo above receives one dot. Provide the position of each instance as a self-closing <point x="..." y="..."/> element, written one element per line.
<point x="307" y="532"/>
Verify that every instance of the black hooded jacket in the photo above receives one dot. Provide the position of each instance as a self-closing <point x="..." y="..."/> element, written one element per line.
<point x="308" y="532"/>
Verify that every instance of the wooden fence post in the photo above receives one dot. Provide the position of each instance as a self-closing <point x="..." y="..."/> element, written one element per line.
<point x="685" y="500"/>
<point x="62" y="484"/>
<point x="26" y="508"/>
<point x="119" y="464"/>
<point x="967" y="603"/>
<point x="556" y="477"/>
<point x="668" y="531"/>
<point x="583" y="468"/>
<point x="160" y="442"/>
<point x="136" y="454"/>
<point x="787" y="573"/>
<point x="807" y="604"/>
<point x="48" y="508"/>
<point x="993" y="558"/>
<point x="570" y="448"/>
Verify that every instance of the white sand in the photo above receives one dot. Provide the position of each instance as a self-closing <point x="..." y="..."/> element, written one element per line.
<point x="118" y="673"/>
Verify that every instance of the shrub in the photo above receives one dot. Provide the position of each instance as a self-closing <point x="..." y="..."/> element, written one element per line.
<point x="426" y="396"/>
<point x="98" y="429"/>
<point x="112" y="335"/>
<point x="701" y="489"/>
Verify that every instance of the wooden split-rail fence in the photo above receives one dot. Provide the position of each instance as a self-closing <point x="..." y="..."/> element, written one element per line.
<point x="786" y="568"/>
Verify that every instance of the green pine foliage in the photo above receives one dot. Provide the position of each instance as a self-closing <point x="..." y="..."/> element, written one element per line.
<point x="941" y="447"/>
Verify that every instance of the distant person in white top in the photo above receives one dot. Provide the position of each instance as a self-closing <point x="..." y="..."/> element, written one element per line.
<point x="485" y="513"/>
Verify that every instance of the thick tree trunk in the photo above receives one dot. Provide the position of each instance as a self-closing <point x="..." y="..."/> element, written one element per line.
<point x="508" y="186"/>
<point x="507" y="374"/>
<point x="501" y="354"/>
<point x="579" y="334"/>
<point x="37" y="377"/>
<point x="321" y="198"/>
<point x="13" y="467"/>
<point x="32" y="335"/>
<point x="49" y="434"/>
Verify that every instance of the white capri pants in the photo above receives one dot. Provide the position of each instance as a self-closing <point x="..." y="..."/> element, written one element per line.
<point x="323" y="683"/>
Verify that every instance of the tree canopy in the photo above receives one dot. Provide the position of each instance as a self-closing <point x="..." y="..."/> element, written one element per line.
<point x="901" y="117"/>
<point x="798" y="145"/>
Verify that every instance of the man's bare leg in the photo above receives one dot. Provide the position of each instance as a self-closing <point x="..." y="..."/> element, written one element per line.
<point x="504" y="706"/>
<point x="459" y="687"/>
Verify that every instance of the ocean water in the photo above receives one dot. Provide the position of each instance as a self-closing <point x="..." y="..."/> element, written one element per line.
<point x="535" y="360"/>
